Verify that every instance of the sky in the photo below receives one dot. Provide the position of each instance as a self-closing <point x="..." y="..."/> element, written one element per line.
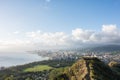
<point x="42" y="24"/>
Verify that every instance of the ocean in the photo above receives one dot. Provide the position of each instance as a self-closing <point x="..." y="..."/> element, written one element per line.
<point x="8" y="59"/>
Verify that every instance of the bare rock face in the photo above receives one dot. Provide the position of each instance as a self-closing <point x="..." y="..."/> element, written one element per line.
<point x="89" y="68"/>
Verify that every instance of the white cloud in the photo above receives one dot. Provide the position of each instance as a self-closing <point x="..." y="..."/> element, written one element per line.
<point x="109" y="34"/>
<point x="80" y="34"/>
<point x="95" y="37"/>
<point x="57" y="38"/>
<point x="109" y="28"/>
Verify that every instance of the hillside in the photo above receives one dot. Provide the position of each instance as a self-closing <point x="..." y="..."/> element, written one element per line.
<point x="87" y="69"/>
<point x="115" y="66"/>
<point x="33" y="71"/>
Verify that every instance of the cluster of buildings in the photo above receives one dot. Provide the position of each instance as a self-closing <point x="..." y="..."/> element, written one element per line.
<point x="57" y="54"/>
<point x="106" y="57"/>
<point x="74" y="54"/>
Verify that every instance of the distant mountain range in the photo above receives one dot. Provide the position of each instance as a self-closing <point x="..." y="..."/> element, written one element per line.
<point x="101" y="48"/>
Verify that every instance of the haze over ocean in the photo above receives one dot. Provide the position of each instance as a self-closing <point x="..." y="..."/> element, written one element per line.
<point x="19" y="58"/>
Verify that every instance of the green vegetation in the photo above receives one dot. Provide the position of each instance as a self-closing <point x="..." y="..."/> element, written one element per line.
<point x="115" y="66"/>
<point x="34" y="71"/>
<point x="38" y="68"/>
<point x="85" y="69"/>
<point x="58" y="74"/>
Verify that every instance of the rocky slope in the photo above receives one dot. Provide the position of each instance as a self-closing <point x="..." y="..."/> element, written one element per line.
<point x="88" y="68"/>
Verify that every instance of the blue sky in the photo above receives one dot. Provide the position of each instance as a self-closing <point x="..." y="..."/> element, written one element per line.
<point x="60" y="17"/>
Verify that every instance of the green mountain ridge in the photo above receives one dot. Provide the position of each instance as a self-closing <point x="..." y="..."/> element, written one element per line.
<point x="88" y="68"/>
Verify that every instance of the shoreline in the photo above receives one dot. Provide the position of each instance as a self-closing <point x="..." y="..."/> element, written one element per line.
<point x="14" y="59"/>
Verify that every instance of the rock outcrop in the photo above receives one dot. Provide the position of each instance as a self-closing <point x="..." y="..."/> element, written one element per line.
<point x="89" y="68"/>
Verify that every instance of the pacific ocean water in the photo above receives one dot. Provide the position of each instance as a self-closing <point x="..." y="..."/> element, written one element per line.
<point x="8" y="59"/>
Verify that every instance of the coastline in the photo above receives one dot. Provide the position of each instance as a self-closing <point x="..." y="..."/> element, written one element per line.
<point x="14" y="58"/>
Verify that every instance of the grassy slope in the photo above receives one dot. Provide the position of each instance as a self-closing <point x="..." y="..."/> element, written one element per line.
<point x="86" y="69"/>
<point x="38" y="68"/>
<point x="19" y="73"/>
